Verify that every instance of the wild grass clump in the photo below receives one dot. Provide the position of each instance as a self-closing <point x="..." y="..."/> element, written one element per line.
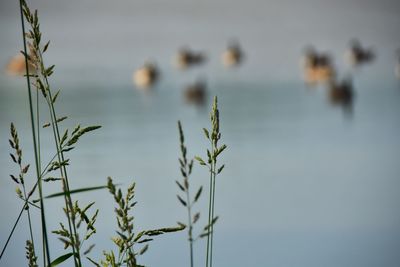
<point x="80" y="219"/>
<point x="213" y="135"/>
<point x="75" y="215"/>
<point x="126" y="238"/>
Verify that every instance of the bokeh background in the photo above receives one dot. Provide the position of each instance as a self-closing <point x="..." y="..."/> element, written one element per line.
<point x="305" y="184"/>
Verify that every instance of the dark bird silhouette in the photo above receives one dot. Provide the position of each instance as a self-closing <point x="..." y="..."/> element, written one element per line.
<point x="187" y="58"/>
<point x="358" y="55"/>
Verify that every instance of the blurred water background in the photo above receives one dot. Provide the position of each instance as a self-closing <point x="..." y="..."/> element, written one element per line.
<point x="306" y="184"/>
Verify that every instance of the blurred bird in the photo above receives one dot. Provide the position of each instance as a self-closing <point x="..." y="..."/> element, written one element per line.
<point x="317" y="67"/>
<point x="16" y="66"/>
<point x="357" y="55"/>
<point x="233" y="55"/>
<point x="146" y="76"/>
<point x="341" y="93"/>
<point x="196" y="93"/>
<point x="188" y="58"/>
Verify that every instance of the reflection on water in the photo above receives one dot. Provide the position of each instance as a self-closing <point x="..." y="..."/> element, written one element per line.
<point x="342" y="94"/>
<point x="196" y="93"/>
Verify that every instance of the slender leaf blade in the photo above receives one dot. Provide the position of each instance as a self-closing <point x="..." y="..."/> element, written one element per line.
<point x="61" y="259"/>
<point x="79" y="190"/>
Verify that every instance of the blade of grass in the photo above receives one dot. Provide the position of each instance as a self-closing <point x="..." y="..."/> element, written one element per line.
<point x="61" y="259"/>
<point x="79" y="190"/>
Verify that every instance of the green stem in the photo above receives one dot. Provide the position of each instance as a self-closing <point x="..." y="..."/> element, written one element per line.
<point x="191" y="253"/>
<point x="209" y="217"/>
<point x="12" y="231"/>
<point x="16" y="223"/>
<point x="46" y="250"/>
<point x="29" y="219"/>
<point x="190" y="230"/>
<point x="38" y="132"/>
<point x="212" y="213"/>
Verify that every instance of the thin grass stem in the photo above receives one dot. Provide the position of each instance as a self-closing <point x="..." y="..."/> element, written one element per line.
<point x="190" y="230"/>
<point x="29" y="218"/>
<point x="12" y="231"/>
<point x="213" y="136"/>
<point x="209" y="220"/>
<point x="212" y="213"/>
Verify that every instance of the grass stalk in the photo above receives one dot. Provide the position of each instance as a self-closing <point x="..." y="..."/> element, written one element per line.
<point x="63" y="172"/>
<point x="42" y="84"/>
<point x="46" y="250"/>
<point x="23" y="169"/>
<point x="186" y="167"/>
<point x="213" y="135"/>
